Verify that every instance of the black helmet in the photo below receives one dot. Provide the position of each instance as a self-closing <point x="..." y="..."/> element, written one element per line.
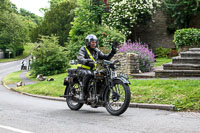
<point x="90" y="38"/>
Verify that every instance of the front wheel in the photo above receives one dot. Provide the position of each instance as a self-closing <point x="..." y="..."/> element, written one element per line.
<point x="73" y="91"/>
<point x="118" y="98"/>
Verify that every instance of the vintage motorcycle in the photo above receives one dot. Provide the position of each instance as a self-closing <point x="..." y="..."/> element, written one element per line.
<point x="105" y="89"/>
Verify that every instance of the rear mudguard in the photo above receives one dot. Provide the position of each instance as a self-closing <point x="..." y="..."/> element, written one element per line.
<point x="125" y="81"/>
<point x="66" y="83"/>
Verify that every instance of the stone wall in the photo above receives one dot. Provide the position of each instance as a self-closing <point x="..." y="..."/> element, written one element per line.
<point x="129" y="62"/>
<point x="155" y="33"/>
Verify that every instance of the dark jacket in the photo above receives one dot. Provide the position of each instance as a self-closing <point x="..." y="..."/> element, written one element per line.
<point x="96" y="53"/>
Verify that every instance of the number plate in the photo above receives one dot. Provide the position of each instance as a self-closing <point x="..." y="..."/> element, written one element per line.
<point x="113" y="74"/>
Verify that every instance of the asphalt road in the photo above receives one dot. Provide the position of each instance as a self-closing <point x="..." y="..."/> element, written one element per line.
<point x="24" y="114"/>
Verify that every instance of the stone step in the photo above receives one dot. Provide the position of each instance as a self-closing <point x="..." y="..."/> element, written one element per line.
<point x="181" y="67"/>
<point x="194" y="49"/>
<point x="176" y="73"/>
<point x="185" y="60"/>
<point x="190" y="54"/>
<point x="143" y="75"/>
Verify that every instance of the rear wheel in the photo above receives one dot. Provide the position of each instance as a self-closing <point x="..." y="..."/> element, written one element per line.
<point x="118" y="99"/>
<point x="73" y="91"/>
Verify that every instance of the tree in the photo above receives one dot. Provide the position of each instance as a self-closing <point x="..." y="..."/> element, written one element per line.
<point x="87" y="15"/>
<point x="6" y="5"/>
<point x="180" y="12"/>
<point x="32" y="21"/>
<point x="57" y="21"/>
<point x="54" y="3"/>
<point x="86" y="22"/>
<point x="30" y="16"/>
<point x="50" y="57"/>
<point x="14" y="32"/>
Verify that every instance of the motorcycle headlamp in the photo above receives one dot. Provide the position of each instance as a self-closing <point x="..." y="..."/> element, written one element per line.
<point x="117" y="65"/>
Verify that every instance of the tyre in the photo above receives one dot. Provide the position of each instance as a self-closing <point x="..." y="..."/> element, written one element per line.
<point x="117" y="99"/>
<point x="73" y="91"/>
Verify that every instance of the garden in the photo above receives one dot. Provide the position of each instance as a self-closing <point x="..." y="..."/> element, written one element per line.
<point x="62" y="31"/>
<point x="184" y="94"/>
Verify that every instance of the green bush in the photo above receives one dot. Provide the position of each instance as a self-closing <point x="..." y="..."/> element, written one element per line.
<point x="86" y="21"/>
<point x="162" y="52"/>
<point x="50" y="58"/>
<point x="105" y="50"/>
<point x="187" y="37"/>
<point x="105" y="38"/>
<point x="126" y="15"/>
<point x="19" y="50"/>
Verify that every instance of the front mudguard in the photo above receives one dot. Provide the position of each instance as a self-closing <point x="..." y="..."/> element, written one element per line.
<point x="122" y="79"/>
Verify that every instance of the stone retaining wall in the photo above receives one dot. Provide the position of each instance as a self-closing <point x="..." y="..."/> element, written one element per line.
<point x="129" y="62"/>
<point x="155" y="33"/>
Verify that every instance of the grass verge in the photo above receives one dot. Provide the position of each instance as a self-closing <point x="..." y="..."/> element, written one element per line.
<point x="184" y="94"/>
<point x="161" y="61"/>
<point x="27" y="51"/>
<point x="12" y="78"/>
<point x="48" y="88"/>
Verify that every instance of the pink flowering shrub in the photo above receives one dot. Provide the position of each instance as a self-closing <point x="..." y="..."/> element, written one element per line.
<point x="146" y="56"/>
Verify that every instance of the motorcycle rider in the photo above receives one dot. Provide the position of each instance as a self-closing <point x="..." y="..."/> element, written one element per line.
<point x="87" y="57"/>
<point x="23" y="64"/>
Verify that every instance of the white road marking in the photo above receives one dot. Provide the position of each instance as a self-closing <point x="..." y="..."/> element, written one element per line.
<point x="14" y="129"/>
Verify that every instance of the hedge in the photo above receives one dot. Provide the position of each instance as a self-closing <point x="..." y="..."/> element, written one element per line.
<point x="187" y="37"/>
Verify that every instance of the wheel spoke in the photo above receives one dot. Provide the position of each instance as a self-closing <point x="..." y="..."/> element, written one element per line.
<point x="119" y="90"/>
<point x="76" y="88"/>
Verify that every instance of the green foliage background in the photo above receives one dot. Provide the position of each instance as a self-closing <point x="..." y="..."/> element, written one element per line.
<point x="128" y="15"/>
<point x="57" y="21"/>
<point x="162" y="52"/>
<point x="86" y="22"/>
<point x="49" y="57"/>
<point x="180" y="12"/>
<point x="15" y="27"/>
<point x="14" y="33"/>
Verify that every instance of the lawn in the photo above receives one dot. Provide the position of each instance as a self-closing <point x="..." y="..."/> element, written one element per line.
<point x="161" y="61"/>
<point x="184" y="94"/>
<point x="31" y="77"/>
<point x="48" y="88"/>
<point x="27" y="51"/>
<point x="12" y="78"/>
